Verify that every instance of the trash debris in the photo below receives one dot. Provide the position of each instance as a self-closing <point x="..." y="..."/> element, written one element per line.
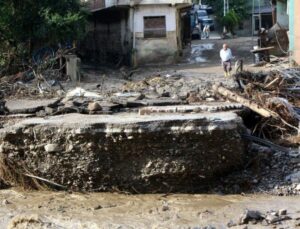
<point x="80" y="92"/>
<point x="274" y="96"/>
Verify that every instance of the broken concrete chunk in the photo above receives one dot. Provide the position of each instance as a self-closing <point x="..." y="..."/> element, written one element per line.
<point x="128" y="150"/>
<point x="52" y="148"/>
<point x="94" y="106"/>
<point x="49" y="110"/>
<point x="80" y="92"/>
<point x="282" y="212"/>
<point x="248" y="216"/>
<point x="26" y="106"/>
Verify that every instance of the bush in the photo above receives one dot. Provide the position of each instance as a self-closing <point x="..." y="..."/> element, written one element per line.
<point x="230" y="21"/>
<point x="29" y="24"/>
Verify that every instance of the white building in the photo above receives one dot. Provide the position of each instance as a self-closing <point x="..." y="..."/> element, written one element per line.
<point x="138" y="32"/>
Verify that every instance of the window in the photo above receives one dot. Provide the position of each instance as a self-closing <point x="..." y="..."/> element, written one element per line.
<point x="155" y="27"/>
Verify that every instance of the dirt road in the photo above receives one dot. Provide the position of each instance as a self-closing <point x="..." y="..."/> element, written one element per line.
<point x="200" y="68"/>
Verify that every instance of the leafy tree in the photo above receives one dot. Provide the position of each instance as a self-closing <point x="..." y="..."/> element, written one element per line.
<point x="230" y="21"/>
<point x="240" y="7"/>
<point x="29" y="24"/>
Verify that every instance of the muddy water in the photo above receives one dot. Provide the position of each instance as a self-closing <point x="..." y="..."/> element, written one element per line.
<point x="103" y="210"/>
<point x="197" y="53"/>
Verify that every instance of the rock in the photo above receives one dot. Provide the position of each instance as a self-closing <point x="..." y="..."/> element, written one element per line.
<point x="210" y="99"/>
<point x="272" y="219"/>
<point x="209" y="227"/>
<point x="165" y="208"/>
<point x="49" y="110"/>
<point x="166" y="94"/>
<point x="282" y="212"/>
<point x="94" y="106"/>
<point x="5" y="202"/>
<point x="248" y="216"/>
<point x="294" y="178"/>
<point x="193" y="97"/>
<point x="98" y="207"/>
<point x="264" y="223"/>
<point x="52" y="148"/>
<point x="231" y="224"/>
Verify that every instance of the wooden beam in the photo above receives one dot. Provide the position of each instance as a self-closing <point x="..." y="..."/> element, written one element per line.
<point x="247" y="103"/>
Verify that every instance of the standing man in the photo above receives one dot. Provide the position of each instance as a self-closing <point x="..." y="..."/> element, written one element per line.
<point x="226" y="57"/>
<point x="206" y="30"/>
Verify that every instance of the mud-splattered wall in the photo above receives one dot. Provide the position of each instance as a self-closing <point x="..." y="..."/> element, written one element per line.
<point x="162" y="50"/>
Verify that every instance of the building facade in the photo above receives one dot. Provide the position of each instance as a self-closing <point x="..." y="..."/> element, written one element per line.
<point x="136" y="32"/>
<point x="294" y="28"/>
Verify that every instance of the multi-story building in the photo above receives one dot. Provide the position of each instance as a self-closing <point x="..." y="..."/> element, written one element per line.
<point x="136" y="32"/>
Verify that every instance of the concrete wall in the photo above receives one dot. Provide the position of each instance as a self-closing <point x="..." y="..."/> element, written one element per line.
<point x="294" y="14"/>
<point x="297" y="31"/>
<point x="282" y="16"/>
<point x="156" y="50"/>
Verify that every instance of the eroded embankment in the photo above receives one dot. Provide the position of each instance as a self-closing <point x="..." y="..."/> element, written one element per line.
<point x="155" y="153"/>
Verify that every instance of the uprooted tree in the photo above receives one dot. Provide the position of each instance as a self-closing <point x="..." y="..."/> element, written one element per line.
<point x="26" y="25"/>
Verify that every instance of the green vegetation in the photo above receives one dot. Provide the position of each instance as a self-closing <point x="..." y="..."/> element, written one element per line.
<point x="239" y="11"/>
<point x="230" y="21"/>
<point x="26" y="25"/>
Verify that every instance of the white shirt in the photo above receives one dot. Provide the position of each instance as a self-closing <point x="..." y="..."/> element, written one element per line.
<point x="226" y="55"/>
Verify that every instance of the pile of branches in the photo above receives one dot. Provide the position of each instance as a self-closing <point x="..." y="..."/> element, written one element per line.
<point x="275" y="99"/>
<point x="37" y="78"/>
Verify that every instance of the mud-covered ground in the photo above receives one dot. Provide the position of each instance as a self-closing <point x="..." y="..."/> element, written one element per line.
<point x="74" y="210"/>
<point x="268" y="171"/>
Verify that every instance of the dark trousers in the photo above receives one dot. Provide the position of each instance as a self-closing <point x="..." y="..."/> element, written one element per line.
<point x="227" y="66"/>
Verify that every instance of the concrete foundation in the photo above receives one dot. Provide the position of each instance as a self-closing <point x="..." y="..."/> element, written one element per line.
<point x="154" y="153"/>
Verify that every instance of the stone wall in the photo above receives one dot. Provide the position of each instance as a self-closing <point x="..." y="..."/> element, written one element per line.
<point x="162" y="153"/>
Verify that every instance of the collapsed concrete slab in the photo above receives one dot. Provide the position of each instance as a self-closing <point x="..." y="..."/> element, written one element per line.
<point x="26" y="106"/>
<point x="154" y="153"/>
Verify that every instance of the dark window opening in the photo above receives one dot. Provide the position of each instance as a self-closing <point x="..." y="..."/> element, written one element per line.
<point x="155" y="27"/>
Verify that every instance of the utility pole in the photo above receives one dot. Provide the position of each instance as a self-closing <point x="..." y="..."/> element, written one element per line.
<point x="226" y="10"/>
<point x="253" y="19"/>
<point x="259" y="10"/>
<point x="227" y="6"/>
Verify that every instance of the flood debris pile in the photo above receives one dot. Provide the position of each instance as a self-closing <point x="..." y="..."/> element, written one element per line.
<point x="275" y="97"/>
<point x="155" y="90"/>
<point x="274" y="161"/>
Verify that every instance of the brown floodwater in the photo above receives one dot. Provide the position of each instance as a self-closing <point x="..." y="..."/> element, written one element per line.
<point x="30" y="209"/>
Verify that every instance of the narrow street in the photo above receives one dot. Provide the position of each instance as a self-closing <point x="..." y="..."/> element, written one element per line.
<point x="112" y="116"/>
